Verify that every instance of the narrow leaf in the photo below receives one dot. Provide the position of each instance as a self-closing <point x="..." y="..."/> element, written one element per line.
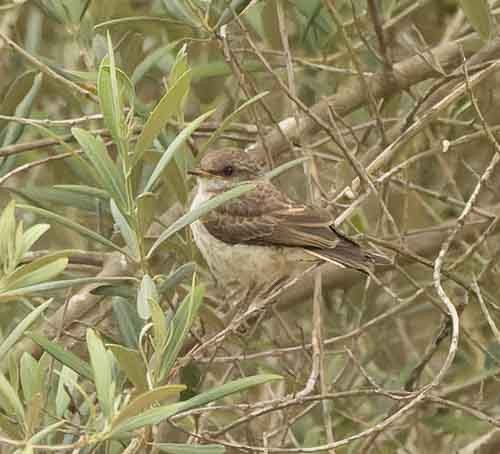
<point x="227" y="121"/>
<point x="156" y="415"/>
<point x="102" y="372"/>
<point x="146" y="399"/>
<point x="173" y="148"/>
<point x="204" y="208"/>
<point x="168" y="105"/>
<point x="21" y="327"/>
<point x="65" y="222"/>
<point x="126" y="231"/>
<point x="64" y="357"/>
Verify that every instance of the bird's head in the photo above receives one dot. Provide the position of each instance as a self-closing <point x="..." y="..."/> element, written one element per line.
<point x="222" y="169"/>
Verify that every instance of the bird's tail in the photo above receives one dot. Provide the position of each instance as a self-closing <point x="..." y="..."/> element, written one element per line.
<point x="349" y="254"/>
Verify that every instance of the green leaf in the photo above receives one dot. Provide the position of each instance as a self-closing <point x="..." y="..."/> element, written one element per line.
<point x="109" y="178"/>
<point x="284" y="167"/>
<point x="160" y="333"/>
<point x="89" y="191"/>
<point x="57" y="285"/>
<point x="176" y="277"/>
<point x="146" y="399"/>
<point x="30" y="237"/>
<point x="23" y="109"/>
<point x="132" y="364"/>
<point x="40" y="270"/>
<point x="21" y="327"/>
<point x="129" y="323"/>
<point x="179" y="327"/>
<point x="479" y="15"/>
<point x="135" y="19"/>
<point x="31" y="381"/>
<point x="238" y="6"/>
<point x="204" y="208"/>
<point x="168" y="106"/>
<point x="156" y="415"/>
<point x="15" y="93"/>
<point x="84" y="231"/>
<point x="9" y="400"/>
<point x="177" y="448"/>
<point x="146" y="205"/>
<point x="64" y="357"/>
<point x="67" y="12"/>
<point x="126" y="231"/>
<point x="146" y="292"/>
<point x="113" y="87"/>
<point x="173" y="148"/>
<point x="67" y="379"/>
<point x="162" y="53"/>
<point x="181" y="11"/>
<point x="103" y="378"/>
<point x="8" y="237"/>
<point x="227" y="121"/>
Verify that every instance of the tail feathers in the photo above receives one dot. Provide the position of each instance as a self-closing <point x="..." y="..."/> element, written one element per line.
<point x="349" y="254"/>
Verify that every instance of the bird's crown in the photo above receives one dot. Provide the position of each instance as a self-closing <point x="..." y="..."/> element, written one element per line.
<point x="229" y="163"/>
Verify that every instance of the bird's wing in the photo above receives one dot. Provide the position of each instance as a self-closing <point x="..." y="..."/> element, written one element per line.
<point x="265" y="216"/>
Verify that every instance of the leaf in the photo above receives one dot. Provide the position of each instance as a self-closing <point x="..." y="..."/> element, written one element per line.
<point x="21" y="327"/>
<point x="168" y="105"/>
<point x="23" y="109"/>
<point x="146" y="399"/>
<point x="277" y="171"/>
<point x="132" y="364"/>
<point x="146" y="205"/>
<point x="40" y="270"/>
<point x="156" y="415"/>
<point x="9" y="400"/>
<point x="227" y="121"/>
<point x="147" y="291"/>
<point x="126" y="231"/>
<point x="176" y="144"/>
<point x="30" y="237"/>
<point x="113" y="86"/>
<point x="160" y="333"/>
<point x="162" y="53"/>
<point x="179" y="327"/>
<point x="8" y="237"/>
<point x="67" y="379"/>
<point x="129" y="323"/>
<point x="176" y="277"/>
<point x="15" y="93"/>
<point x="204" y="208"/>
<point x="238" y="6"/>
<point x="103" y="378"/>
<point x="177" y="448"/>
<point x="109" y="178"/>
<point x="64" y="357"/>
<point x="479" y="15"/>
<point x="65" y="222"/>
<point x="31" y="381"/>
<point x="181" y="11"/>
<point x="57" y="285"/>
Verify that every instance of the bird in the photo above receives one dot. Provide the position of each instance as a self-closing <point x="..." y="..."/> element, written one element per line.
<point x="258" y="241"/>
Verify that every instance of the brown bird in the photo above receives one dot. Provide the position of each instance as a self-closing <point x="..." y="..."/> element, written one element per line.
<point x="263" y="238"/>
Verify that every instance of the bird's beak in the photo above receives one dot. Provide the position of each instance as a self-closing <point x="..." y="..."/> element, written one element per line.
<point x="197" y="172"/>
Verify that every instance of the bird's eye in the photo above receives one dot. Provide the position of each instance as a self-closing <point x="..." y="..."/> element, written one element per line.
<point x="228" y="171"/>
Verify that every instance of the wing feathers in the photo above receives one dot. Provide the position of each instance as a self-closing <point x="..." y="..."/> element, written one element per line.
<point x="265" y="216"/>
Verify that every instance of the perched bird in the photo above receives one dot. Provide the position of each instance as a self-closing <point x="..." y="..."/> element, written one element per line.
<point x="263" y="238"/>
